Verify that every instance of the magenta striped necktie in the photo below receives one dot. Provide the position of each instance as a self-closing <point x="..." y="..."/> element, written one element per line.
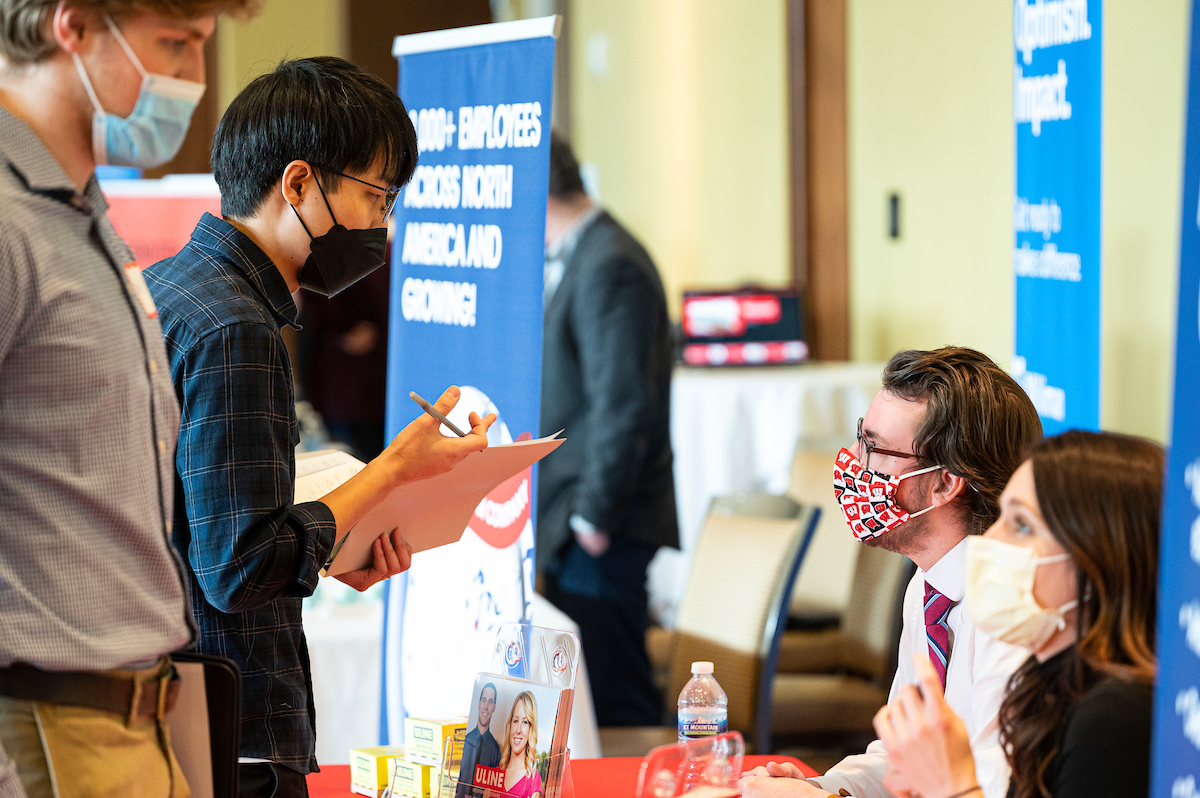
<point x="937" y="631"/>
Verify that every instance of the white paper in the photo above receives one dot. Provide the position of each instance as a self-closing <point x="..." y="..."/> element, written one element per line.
<point x="318" y="473"/>
<point x="429" y="512"/>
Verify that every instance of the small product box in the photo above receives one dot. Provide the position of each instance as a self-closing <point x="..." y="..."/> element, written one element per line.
<point x="447" y="777"/>
<point x="370" y="792"/>
<point x="414" y="779"/>
<point x="369" y="767"/>
<point x="425" y="740"/>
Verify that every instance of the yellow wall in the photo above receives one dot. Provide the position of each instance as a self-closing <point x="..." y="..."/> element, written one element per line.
<point x="284" y="29"/>
<point x="1145" y="79"/>
<point x="687" y="130"/>
<point x="930" y="116"/>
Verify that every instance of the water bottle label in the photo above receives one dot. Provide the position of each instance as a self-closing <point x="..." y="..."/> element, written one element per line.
<point x="699" y="723"/>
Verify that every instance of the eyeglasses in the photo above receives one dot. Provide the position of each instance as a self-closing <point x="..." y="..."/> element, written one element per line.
<point x="390" y="195"/>
<point x="866" y="448"/>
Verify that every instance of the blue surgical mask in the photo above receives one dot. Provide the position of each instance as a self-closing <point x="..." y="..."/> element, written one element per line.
<point x="154" y="132"/>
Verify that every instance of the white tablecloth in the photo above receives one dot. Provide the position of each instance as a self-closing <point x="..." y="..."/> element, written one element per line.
<point x="738" y="429"/>
<point x="344" y="644"/>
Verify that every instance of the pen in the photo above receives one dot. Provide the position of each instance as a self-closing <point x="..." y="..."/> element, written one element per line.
<point x="428" y="408"/>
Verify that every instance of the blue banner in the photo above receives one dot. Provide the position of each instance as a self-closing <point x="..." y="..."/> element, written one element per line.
<point x="466" y="309"/>
<point x="1177" y="699"/>
<point x="1057" y="83"/>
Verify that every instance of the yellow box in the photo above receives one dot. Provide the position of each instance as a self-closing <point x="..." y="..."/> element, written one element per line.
<point x="413" y="779"/>
<point x="447" y="777"/>
<point x="370" y="792"/>
<point x="425" y="740"/>
<point x="369" y="766"/>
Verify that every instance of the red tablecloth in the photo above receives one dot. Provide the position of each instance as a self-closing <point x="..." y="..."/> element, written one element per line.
<point x="611" y="777"/>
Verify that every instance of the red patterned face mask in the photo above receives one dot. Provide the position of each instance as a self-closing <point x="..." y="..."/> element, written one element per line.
<point x="868" y="498"/>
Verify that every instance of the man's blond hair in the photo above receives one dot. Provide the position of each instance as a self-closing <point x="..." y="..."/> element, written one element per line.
<point x="25" y="24"/>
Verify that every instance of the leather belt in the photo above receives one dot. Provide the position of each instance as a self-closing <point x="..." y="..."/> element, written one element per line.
<point x="149" y="693"/>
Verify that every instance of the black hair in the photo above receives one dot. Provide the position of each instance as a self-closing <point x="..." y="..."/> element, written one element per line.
<point x="325" y="111"/>
<point x="564" y="169"/>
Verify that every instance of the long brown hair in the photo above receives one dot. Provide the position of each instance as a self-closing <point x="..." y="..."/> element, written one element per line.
<point x="1100" y="494"/>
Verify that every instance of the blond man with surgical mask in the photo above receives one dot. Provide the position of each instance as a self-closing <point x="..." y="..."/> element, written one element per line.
<point x="91" y="593"/>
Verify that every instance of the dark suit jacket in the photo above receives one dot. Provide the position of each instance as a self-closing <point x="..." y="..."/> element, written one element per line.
<point x="478" y="749"/>
<point x="606" y="380"/>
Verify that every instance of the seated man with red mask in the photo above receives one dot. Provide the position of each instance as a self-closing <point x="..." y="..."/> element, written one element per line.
<point x="934" y="452"/>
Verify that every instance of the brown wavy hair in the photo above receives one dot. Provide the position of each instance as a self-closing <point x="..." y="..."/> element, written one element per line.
<point x="978" y="424"/>
<point x="1100" y="494"/>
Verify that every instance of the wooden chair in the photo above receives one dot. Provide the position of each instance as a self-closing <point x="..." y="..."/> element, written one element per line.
<point x="831" y="683"/>
<point x="823" y="587"/>
<point x="733" y="612"/>
<point x="660" y="641"/>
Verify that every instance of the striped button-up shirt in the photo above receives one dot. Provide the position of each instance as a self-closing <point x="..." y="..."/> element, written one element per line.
<point x="88" y="578"/>
<point x="252" y="554"/>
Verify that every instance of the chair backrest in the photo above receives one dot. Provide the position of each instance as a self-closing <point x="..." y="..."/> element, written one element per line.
<point x="823" y="587"/>
<point x="876" y="603"/>
<point x="759" y="505"/>
<point x="734" y="608"/>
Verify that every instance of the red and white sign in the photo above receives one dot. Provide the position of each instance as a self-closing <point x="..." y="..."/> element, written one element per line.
<point x="728" y="316"/>
<point x="751" y="353"/>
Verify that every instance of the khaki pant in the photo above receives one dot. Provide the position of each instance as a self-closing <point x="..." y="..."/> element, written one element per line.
<point x="74" y="752"/>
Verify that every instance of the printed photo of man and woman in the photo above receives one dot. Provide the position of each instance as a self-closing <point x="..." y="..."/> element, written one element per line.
<point x="501" y="750"/>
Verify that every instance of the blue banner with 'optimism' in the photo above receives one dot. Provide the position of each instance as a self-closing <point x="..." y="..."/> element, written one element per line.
<point x="1057" y="81"/>
<point x="1177" y="697"/>
<point x="466" y="309"/>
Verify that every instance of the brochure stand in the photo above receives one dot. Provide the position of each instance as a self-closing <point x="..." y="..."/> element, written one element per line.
<point x="548" y="657"/>
<point x="708" y="767"/>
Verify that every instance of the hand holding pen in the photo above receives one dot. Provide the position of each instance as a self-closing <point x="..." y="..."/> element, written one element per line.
<point x="421" y="450"/>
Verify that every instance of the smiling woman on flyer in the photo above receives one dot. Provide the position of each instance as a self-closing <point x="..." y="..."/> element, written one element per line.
<point x="518" y="755"/>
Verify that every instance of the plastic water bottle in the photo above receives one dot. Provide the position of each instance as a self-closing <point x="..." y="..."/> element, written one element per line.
<point x="702" y="705"/>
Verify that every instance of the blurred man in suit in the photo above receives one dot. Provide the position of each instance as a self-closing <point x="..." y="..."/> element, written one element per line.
<point x="606" y="498"/>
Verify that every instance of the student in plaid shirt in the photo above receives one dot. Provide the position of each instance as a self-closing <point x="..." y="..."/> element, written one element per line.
<point x="309" y="159"/>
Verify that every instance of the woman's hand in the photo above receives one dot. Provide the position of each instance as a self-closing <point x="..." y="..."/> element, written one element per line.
<point x="929" y="751"/>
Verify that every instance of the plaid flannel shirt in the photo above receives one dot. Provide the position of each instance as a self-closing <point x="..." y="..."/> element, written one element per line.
<point x="252" y="554"/>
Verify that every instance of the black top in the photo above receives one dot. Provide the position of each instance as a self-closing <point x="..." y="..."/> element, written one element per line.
<point x="606" y="380"/>
<point x="1105" y="744"/>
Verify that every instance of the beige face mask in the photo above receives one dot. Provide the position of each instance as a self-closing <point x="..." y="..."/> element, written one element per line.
<point x="999" y="593"/>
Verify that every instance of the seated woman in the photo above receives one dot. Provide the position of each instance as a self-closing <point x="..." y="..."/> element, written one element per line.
<point x="1069" y="571"/>
<point x="518" y="754"/>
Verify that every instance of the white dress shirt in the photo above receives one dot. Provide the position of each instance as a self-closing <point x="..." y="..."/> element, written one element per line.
<point x="560" y="250"/>
<point x="976" y="679"/>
